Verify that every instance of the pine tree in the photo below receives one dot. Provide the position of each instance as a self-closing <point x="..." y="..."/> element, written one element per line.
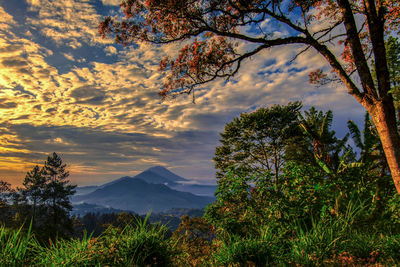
<point x="34" y="191"/>
<point x="56" y="196"/>
<point x="5" y="191"/>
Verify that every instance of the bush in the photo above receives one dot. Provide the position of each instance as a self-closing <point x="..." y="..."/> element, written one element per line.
<point x="242" y="252"/>
<point x="194" y="239"/>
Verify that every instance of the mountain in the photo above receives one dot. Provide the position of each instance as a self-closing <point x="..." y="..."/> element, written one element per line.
<point x="197" y="189"/>
<point x="83" y="190"/>
<point x="164" y="172"/>
<point x="153" y="178"/>
<point x="115" y="181"/>
<point x="137" y="195"/>
<point x="82" y="209"/>
<point x="153" y="175"/>
<point x="160" y="175"/>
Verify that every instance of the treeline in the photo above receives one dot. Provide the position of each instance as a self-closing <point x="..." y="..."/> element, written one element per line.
<point x="42" y="203"/>
<point x="98" y="223"/>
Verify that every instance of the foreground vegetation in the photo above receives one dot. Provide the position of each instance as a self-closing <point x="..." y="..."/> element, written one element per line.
<point x="328" y="240"/>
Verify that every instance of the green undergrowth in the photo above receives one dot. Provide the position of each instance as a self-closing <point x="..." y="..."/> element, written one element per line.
<point x="326" y="241"/>
<point x="137" y="244"/>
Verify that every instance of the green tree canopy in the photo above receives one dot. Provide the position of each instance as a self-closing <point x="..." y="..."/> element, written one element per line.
<point x="255" y="142"/>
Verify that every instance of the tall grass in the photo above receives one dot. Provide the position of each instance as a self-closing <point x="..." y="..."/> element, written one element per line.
<point x="137" y="244"/>
<point x="342" y="239"/>
<point x="141" y="243"/>
<point x="74" y="252"/>
<point x="256" y="251"/>
<point x="16" y="247"/>
<point x="328" y="240"/>
<point x="320" y="242"/>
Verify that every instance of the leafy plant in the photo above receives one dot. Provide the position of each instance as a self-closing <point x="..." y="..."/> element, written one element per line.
<point x="326" y="236"/>
<point x="239" y="251"/>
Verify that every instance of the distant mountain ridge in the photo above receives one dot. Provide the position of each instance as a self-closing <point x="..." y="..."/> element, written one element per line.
<point x="152" y="189"/>
<point x="138" y="196"/>
<point x="80" y="210"/>
<point x="153" y="175"/>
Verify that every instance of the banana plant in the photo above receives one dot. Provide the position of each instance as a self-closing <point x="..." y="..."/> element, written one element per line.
<point x="372" y="159"/>
<point x="371" y="150"/>
<point x="330" y="153"/>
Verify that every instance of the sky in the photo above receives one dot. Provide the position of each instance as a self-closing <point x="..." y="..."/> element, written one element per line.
<point x="64" y="89"/>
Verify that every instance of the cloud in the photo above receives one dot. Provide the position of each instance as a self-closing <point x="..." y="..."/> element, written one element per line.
<point x="97" y="103"/>
<point x="69" y="22"/>
<point x="8" y="49"/>
<point x="88" y="94"/>
<point x="111" y="2"/>
<point x="131" y="152"/>
<point x="110" y="50"/>
<point x="7" y="105"/>
<point x="69" y="56"/>
<point x="14" y="62"/>
<point x="7" y="20"/>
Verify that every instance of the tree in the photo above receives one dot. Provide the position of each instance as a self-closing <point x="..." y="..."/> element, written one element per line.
<point x="393" y="54"/>
<point x="56" y="195"/>
<point x="5" y="191"/>
<point x="34" y="190"/>
<point x="255" y="147"/>
<point x="255" y="142"/>
<point x="194" y="238"/>
<point x="215" y="27"/>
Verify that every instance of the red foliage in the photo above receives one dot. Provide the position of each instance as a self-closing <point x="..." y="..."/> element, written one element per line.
<point x="218" y="25"/>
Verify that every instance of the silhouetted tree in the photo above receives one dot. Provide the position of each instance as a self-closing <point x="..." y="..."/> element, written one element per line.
<point x="5" y="191"/>
<point x="56" y="196"/>
<point x="34" y="193"/>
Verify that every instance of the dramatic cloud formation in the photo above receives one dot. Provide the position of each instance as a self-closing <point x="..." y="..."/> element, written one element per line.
<point x="64" y="89"/>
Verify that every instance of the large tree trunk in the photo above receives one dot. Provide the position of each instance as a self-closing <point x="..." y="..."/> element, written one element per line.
<point x="383" y="116"/>
<point x="375" y="98"/>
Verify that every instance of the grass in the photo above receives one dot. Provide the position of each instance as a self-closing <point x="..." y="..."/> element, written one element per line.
<point x="16" y="247"/>
<point x="137" y="244"/>
<point x="337" y="241"/>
